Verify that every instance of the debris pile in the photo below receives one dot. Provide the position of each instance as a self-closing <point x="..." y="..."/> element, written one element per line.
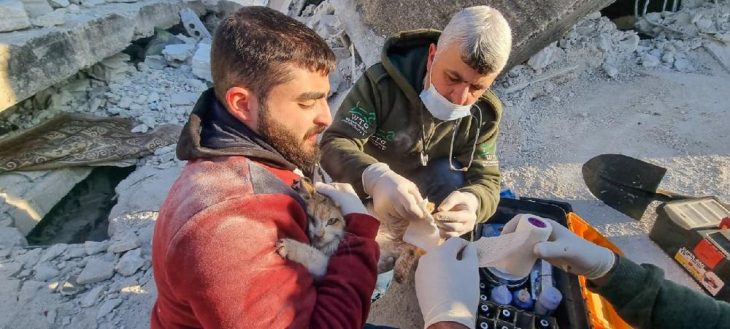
<point x="593" y="48"/>
<point x="109" y="283"/>
<point x="81" y="285"/>
<point x="678" y="36"/>
<point x="153" y="93"/>
<point x="322" y="19"/>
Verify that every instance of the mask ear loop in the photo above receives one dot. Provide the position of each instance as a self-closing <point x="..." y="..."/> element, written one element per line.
<point x="474" y="146"/>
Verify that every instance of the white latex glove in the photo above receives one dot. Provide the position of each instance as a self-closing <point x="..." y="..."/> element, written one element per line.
<point x="570" y="252"/>
<point x="448" y="288"/>
<point x="344" y="197"/>
<point x="457" y="214"/>
<point x="393" y="195"/>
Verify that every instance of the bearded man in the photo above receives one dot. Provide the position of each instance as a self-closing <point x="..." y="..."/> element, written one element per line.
<point x="247" y="140"/>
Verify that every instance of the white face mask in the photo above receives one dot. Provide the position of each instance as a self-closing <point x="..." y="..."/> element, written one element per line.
<point x="440" y="107"/>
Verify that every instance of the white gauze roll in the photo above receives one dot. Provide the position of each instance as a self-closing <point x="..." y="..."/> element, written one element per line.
<point x="511" y="255"/>
<point x="423" y="232"/>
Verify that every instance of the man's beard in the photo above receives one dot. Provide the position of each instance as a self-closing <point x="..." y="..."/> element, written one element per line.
<point x="290" y="146"/>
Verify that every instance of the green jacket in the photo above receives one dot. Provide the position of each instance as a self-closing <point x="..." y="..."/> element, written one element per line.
<point x="382" y="119"/>
<point x="644" y="299"/>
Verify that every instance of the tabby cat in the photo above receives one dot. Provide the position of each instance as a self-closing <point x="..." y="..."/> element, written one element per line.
<point x="326" y="228"/>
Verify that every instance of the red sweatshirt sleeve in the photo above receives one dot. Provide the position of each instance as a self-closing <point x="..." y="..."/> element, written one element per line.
<point x="224" y="265"/>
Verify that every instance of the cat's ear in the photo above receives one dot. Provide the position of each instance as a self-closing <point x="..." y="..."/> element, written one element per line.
<point x="304" y="187"/>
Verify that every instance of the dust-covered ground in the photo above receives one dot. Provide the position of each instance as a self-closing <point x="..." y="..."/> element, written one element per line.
<point x="597" y="90"/>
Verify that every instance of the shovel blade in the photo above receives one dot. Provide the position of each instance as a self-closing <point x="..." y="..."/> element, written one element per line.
<point x="623" y="183"/>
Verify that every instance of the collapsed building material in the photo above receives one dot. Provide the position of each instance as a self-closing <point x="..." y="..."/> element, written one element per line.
<point x="26" y="197"/>
<point x="178" y="53"/>
<point x="535" y="24"/>
<point x="193" y="25"/>
<point x="12" y="16"/>
<point x="33" y="60"/>
<point x="65" y="141"/>
<point x="201" y="62"/>
<point x="721" y="53"/>
<point x="36" y="8"/>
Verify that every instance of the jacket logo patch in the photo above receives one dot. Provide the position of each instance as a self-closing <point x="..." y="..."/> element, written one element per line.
<point x="487" y="153"/>
<point x="381" y="138"/>
<point x="360" y="119"/>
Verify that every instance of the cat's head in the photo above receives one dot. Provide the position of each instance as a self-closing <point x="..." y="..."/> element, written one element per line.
<point x="326" y="222"/>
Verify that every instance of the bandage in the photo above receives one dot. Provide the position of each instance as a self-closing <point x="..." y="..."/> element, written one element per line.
<point x="423" y="232"/>
<point x="509" y="255"/>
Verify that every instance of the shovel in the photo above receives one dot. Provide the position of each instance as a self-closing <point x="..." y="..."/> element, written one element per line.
<point x="626" y="184"/>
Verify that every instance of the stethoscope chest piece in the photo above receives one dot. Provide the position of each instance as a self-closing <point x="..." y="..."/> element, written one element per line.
<point x="424" y="159"/>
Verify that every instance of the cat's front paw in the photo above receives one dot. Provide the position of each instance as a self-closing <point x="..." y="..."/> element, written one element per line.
<point x="283" y="247"/>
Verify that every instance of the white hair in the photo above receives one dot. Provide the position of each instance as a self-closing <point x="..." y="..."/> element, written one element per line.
<point x="484" y="36"/>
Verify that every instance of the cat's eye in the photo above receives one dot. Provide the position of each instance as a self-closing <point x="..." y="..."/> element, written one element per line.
<point x="332" y="221"/>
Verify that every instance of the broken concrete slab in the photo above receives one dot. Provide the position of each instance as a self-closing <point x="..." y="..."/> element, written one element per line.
<point x="201" y="62"/>
<point x="95" y="247"/>
<point x="54" y="18"/>
<point x="130" y="262"/>
<point x="281" y="5"/>
<point x="111" y="68"/>
<point x="535" y="24"/>
<point x="227" y="7"/>
<point x="45" y="271"/>
<point x="59" y="3"/>
<point x="194" y="26"/>
<point x="96" y="270"/>
<point x="11" y="237"/>
<point x="12" y="16"/>
<point x="144" y="190"/>
<point x="33" y="60"/>
<point x="720" y="52"/>
<point x="177" y="54"/>
<point x="366" y="40"/>
<point x="124" y="242"/>
<point x="37" y="8"/>
<point x="26" y="197"/>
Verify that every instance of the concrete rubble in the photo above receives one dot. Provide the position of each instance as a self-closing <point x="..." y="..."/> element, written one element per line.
<point x="32" y="60"/>
<point x="36" y="8"/>
<point x="25" y="197"/>
<point x="83" y="284"/>
<point x="534" y="24"/>
<point x="104" y="284"/>
<point x="13" y="16"/>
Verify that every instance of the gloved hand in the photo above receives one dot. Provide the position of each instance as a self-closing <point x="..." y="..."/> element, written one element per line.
<point x="448" y="288"/>
<point x="571" y="253"/>
<point x="457" y="214"/>
<point x="393" y="195"/>
<point x="344" y="197"/>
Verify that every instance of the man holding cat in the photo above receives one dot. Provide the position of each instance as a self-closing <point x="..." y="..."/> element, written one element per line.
<point x="423" y="123"/>
<point x="214" y="245"/>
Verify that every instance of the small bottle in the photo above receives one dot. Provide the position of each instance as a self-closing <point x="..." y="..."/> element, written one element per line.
<point x="548" y="301"/>
<point x="501" y="295"/>
<point x="522" y="299"/>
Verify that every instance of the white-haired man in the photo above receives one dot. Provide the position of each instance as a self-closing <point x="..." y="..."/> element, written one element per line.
<point x="423" y="123"/>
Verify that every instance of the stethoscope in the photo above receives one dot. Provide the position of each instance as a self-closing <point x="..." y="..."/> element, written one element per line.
<point x="424" y="156"/>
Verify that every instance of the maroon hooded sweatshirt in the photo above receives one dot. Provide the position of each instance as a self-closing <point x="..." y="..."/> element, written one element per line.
<point x="213" y="250"/>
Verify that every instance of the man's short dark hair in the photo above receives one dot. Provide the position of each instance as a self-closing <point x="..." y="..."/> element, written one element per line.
<point x="255" y="46"/>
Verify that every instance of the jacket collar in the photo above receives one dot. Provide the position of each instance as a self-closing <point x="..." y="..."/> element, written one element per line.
<point x="212" y="132"/>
